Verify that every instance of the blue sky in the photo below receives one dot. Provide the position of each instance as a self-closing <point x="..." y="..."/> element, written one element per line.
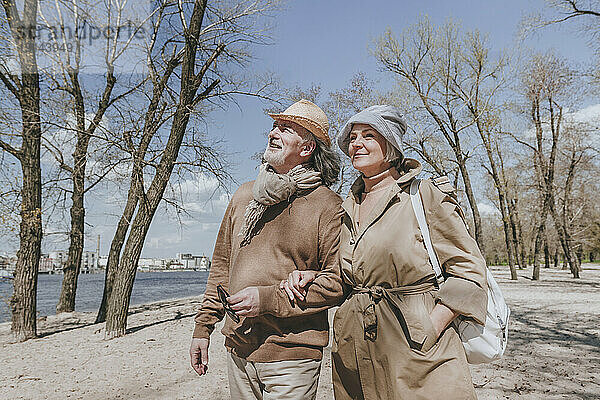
<point x="326" y="42"/>
<point x="323" y="42"/>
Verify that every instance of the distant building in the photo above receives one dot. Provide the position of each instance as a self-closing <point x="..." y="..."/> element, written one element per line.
<point x="182" y="262"/>
<point x="47" y="265"/>
<point x="57" y="259"/>
<point x="102" y="262"/>
<point x="7" y="265"/>
<point x="54" y="262"/>
<point x="190" y="261"/>
<point x="89" y="262"/>
<point x="4" y="261"/>
<point x="151" y="264"/>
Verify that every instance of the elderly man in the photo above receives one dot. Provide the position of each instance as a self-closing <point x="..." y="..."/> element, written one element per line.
<point x="287" y="219"/>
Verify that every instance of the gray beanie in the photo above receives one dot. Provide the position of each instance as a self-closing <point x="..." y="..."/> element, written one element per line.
<point x="386" y="120"/>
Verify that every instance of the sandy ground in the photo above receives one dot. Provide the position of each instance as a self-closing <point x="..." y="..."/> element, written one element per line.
<point x="554" y="350"/>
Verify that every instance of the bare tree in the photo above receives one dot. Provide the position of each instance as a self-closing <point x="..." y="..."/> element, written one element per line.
<point x="65" y="25"/>
<point x="577" y="152"/>
<point x="582" y="15"/>
<point x="193" y="44"/>
<point x="24" y="85"/>
<point x="512" y="207"/>
<point x="546" y="81"/>
<point x="478" y="89"/>
<point x="434" y="65"/>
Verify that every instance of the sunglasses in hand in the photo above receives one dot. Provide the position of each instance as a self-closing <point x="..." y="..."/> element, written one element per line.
<point x="223" y="295"/>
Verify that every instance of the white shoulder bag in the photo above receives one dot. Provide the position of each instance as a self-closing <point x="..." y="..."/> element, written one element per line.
<point x="482" y="344"/>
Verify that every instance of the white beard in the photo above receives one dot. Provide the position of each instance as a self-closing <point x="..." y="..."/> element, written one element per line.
<point x="274" y="157"/>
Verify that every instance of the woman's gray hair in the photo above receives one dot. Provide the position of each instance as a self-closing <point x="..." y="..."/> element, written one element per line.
<point x="393" y="155"/>
<point x="325" y="160"/>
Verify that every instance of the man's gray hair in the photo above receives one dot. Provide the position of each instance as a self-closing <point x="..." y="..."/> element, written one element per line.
<point x="325" y="160"/>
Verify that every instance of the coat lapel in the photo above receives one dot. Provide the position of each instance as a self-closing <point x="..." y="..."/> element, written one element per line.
<point x="411" y="169"/>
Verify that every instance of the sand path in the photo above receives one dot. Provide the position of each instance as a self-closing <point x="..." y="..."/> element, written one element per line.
<point x="554" y="350"/>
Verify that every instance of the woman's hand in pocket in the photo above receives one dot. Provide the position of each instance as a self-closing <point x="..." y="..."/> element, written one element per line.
<point x="441" y="316"/>
<point x="296" y="286"/>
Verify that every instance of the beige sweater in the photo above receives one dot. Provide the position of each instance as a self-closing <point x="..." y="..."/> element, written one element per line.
<point x="302" y="233"/>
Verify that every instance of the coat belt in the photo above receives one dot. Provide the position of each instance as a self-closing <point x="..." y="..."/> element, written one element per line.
<point x="376" y="293"/>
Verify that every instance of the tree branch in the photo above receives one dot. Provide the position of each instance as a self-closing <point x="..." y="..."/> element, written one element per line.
<point x="14" y="89"/>
<point x="8" y="148"/>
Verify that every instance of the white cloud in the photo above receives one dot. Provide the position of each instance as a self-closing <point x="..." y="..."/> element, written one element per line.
<point x="195" y="232"/>
<point x="488" y="209"/>
<point x="587" y="114"/>
<point x="200" y="186"/>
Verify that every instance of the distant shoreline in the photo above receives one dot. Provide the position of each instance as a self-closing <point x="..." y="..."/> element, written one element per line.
<point x="148" y="287"/>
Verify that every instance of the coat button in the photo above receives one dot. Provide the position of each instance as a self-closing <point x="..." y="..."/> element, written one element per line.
<point x="352" y="242"/>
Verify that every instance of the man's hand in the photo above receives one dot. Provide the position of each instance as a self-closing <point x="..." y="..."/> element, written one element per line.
<point x="245" y="303"/>
<point x="296" y="285"/>
<point x="199" y="355"/>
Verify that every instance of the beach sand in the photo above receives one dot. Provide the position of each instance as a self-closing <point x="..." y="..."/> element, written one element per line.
<point x="554" y="350"/>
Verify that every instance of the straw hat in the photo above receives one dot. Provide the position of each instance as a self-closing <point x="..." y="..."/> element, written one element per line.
<point x="309" y="116"/>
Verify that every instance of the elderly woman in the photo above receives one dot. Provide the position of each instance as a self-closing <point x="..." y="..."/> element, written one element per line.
<point x="393" y="337"/>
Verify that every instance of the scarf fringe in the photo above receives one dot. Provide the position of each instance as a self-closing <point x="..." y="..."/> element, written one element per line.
<point x="271" y="188"/>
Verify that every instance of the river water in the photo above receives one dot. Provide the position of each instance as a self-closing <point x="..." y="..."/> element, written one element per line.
<point x="148" y="287"/>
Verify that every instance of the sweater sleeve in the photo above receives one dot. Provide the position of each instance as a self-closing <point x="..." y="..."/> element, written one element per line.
<point x="325" y="291"/>
<point x="211" y="311"/>
<point x="465" y="288"/>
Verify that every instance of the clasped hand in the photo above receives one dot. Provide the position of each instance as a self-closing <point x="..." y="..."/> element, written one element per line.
<point x="296" y="285"/>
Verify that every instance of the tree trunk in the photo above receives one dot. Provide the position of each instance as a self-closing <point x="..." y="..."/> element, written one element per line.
<point x="118" y="302"/>
<point x="556" y="253"/>
<point x="517" y="232"/>
<point x="546" y="254"/>
<point x="66" y="302"/>
<point x="561" y="228"/>
<point x="472" y="202"/>
<point x="577" y="268"/>
<point x="539" y="238"/>
<point x="23" y="300"/>
<point x="501" y="188"/>
<point x="567" y="216"/>
<point x="114" y="255"/>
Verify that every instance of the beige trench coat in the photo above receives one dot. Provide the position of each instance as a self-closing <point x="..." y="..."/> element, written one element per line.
<point x="384" y="344"/>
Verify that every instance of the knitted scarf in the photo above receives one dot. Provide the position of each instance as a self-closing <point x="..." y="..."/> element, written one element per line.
<point x="271" y="188"/>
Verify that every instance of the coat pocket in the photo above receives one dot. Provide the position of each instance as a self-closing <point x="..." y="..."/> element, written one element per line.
<point x="414" y="321"/>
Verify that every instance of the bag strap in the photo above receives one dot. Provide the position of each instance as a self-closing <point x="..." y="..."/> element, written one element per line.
<point x="417" y="204"/>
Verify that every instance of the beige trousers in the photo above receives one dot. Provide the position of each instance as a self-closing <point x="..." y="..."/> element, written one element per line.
<point x="280" y="380"/>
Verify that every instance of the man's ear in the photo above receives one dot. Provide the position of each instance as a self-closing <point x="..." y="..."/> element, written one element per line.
<point x="308" y="148"/>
